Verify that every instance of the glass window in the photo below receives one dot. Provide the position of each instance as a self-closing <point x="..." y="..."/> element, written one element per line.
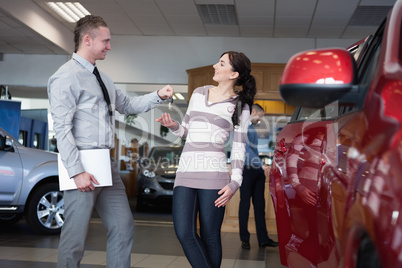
<point x="37" y="141"/>
<point x="368" y="76"/>
<point x="359" y="50"/>
<point x="23" y="137"/>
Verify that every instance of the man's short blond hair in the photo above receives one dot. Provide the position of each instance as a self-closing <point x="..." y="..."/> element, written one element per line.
<point x="87" y="25"/>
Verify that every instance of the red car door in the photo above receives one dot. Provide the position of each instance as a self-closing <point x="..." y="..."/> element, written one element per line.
<point x="336" y="176"/>
<point x="304" y="146"/>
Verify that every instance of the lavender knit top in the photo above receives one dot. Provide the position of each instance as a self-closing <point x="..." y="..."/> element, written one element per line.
<point x="206" y="128"/>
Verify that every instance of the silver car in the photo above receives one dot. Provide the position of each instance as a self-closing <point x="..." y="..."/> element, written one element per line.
<point x="156" y="177"/>
<point x="29" y="187"/>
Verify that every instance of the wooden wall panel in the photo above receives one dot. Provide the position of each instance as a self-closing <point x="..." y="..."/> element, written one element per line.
<point x="267" y="77"/>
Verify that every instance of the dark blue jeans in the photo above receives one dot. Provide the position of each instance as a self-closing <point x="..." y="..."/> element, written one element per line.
<point x="204" y="250"/>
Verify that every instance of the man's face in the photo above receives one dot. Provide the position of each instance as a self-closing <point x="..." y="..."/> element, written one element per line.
<point x="256" y="116"/>
<point x="100" y="44"/>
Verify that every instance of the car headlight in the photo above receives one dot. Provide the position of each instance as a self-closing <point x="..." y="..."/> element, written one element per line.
<point x="148" y="173"/>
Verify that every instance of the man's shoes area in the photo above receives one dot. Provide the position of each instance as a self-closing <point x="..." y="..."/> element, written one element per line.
<point x="245" y="245"/>
<point x="269" y="243"/>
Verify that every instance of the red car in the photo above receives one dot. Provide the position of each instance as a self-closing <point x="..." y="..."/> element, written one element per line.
<point x="336" y="177"/>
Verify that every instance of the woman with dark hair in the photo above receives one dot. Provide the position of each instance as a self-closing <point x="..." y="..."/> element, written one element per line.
<point x="203" y="184"/>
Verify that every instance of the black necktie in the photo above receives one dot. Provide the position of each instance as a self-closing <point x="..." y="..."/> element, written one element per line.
<point x="104" y="90"/>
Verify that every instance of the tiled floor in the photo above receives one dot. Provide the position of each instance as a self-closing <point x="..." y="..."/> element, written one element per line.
<point x="155" y="245"/>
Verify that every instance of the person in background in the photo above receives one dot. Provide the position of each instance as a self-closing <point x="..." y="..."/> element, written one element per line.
<point x="82" y="105"/>
<point x="303" y="166"/>
<point x="203" y="184"/>
<point x="253" y="187"/>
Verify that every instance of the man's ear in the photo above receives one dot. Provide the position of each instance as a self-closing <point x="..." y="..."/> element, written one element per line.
<point x="86" y="40"/>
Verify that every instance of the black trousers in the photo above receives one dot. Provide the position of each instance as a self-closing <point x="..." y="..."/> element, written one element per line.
<point x="252" y="188"/>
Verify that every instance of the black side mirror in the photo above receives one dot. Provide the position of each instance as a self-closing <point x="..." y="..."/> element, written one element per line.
<point x="8" y="145"/>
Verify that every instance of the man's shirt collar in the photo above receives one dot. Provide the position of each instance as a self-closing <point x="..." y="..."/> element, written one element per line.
<point x="87" y="65"/>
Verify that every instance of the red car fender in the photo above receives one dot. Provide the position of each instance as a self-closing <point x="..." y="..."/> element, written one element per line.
<point x="353" y="241"/>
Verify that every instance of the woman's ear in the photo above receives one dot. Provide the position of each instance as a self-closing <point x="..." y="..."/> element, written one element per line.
<point x="234" y="75"/>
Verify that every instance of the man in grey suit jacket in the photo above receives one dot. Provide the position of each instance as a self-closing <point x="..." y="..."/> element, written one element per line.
<point x="82" y="107"/>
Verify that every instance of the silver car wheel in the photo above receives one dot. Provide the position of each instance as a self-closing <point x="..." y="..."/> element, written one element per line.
<point x="50" y="210"/>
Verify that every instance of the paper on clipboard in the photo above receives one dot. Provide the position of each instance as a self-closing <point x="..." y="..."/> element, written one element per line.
<point x="96" y="162"/>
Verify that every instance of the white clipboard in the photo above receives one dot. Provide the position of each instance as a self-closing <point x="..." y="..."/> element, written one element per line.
<point x="96" y="162"/>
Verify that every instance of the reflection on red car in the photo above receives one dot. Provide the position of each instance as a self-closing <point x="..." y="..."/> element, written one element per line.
<point x="336" y="177"/>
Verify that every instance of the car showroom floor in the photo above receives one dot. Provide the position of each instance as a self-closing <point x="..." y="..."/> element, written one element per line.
<point x="155" y="245"/>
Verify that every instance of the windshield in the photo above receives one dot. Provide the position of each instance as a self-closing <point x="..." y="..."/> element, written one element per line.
<point x="359" y="48"/>
<point x="166" y="156"/>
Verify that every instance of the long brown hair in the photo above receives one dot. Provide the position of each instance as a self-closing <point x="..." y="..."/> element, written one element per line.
<point x="241" y="64"/>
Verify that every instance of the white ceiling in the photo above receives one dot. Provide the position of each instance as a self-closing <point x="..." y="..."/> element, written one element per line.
<point x="255" y="18"/>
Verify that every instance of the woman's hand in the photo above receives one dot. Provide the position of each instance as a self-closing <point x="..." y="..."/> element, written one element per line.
<point x="165" y="92"/>
<point x="166" y="120"/>
<point x="226" y="195"/>
<point x="265" y="168"/>
<point x="308" y="197"/>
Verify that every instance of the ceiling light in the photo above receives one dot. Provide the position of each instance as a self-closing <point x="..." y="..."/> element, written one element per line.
<point x="69" y="11"/>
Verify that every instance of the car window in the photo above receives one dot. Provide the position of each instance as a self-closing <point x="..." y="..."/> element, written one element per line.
<point x="368" y="76"/>
<point x="329" y="111"/>
<point x="354" y="100"/>
<point x="366" y="55"/>
<point x="369" y="60"/>
<point x="359" y="50"/>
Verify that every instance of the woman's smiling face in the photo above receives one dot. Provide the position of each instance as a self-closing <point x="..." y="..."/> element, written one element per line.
<point x="223" y="69"/>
